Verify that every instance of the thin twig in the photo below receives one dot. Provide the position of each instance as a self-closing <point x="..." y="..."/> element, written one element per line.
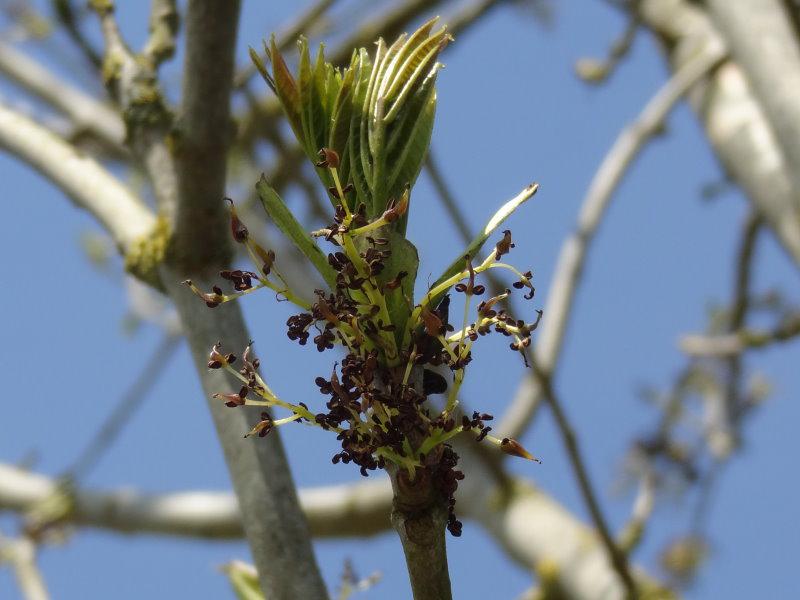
<point x="70" y="20"/>
<point x="733" y="344"/>
<point x="163" y="30"/>
<point x="124" y="410"/>
<point x="287" y="37"/>
<point x="568" y="438"/>
<point x="575" y="250"/>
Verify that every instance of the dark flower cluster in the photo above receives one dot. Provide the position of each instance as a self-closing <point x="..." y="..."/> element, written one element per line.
<point x="377" y="397"/>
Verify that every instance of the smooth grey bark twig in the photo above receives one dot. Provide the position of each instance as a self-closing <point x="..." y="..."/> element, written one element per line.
<point x="124" y="409"/>
<point x="763" y="42"/>
<point x="273" y="521"/>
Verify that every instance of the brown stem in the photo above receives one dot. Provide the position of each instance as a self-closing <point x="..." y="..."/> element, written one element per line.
<point x="419" y="515"/>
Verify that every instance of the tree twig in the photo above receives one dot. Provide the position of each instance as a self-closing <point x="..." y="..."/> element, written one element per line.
<point x="734" y="120"/>
<point x="67" y="16"/>
<point x="88" y="184"/>
<point x="732" y="344"/>
<point x="615" y="554"/>
<point x="575" y="250"/>
<point x="287" y="37"/>
<point x="20" y="553"/>
<point x="332" y="511"/>
<point x="124" y="409"/>
<point x="86" y="113"/>
<point x="772" y="69"/>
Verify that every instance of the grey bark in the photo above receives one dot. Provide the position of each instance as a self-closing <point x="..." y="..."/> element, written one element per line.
<point x="734" y="120"/>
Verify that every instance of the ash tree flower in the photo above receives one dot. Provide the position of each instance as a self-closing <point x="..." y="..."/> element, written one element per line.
<point x="366" y="128"/>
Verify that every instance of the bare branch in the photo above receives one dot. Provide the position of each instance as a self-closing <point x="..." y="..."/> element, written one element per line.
<point x="763" y="42"/>
<point x="88" y="184"/>
<point x="86" y="113"/>
<point x="164" y="22"/>
<point x="734" y="121"/>
<point x="737" y="342"/>
<point x="273" y="521"/>
<point x="529" y="524"/>
<point x="332" y="511"/>
<point x="574" y="252"/>
<point x="21" y="554"/>
<point x="617" y="558"/>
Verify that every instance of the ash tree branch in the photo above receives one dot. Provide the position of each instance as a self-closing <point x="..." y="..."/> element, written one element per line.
<point x="20" y="553"/>
<point x="575" y="250"/>
<point x="764" y="44"/>
<point x="735" y="122"/>
<point x="737" y="342"/>
<point x="532" y="527"/>
<point x="332" y="511"/>
<point x="91" y="187"/>
<point x="272" y="518"/>
<point x="85" y="112"/>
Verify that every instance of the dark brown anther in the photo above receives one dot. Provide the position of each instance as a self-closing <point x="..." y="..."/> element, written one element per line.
<point x="396" y="208"/>
<point x="216" y="359"/>
<point x="433" y="324"/>
<point x="212" y="300"/>
<point x="263" y="427"/>
<point x="238" y="228"/>
<point x="512" y="447"/>
<point x="329" y="159"/>
<point x="395" y="283"/>
<point x="267" y="257"/>
<point x="504" y="246"/>
<point x="231" y="400"/>
<point x="333" y="191"/>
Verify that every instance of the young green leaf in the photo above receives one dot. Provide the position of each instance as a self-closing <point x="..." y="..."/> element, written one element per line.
<point x="283" y="218"/>
<point x="286" y="88"/>
<point x="476" y="244"/>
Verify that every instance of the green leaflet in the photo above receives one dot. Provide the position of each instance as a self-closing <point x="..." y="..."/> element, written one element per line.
<point x="420" y="64"/>
<point x="396" y="69"/>
<point x="410" y="139"/>
<point x="476" y="244"/>
<point x="360" y="169"/>
<point x="376" y="114"/>
<point x="286" y="88"/>
<point x="286" y="222"/>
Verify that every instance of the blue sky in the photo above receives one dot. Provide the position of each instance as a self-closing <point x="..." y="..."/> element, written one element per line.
<point x="510" y="111"/>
